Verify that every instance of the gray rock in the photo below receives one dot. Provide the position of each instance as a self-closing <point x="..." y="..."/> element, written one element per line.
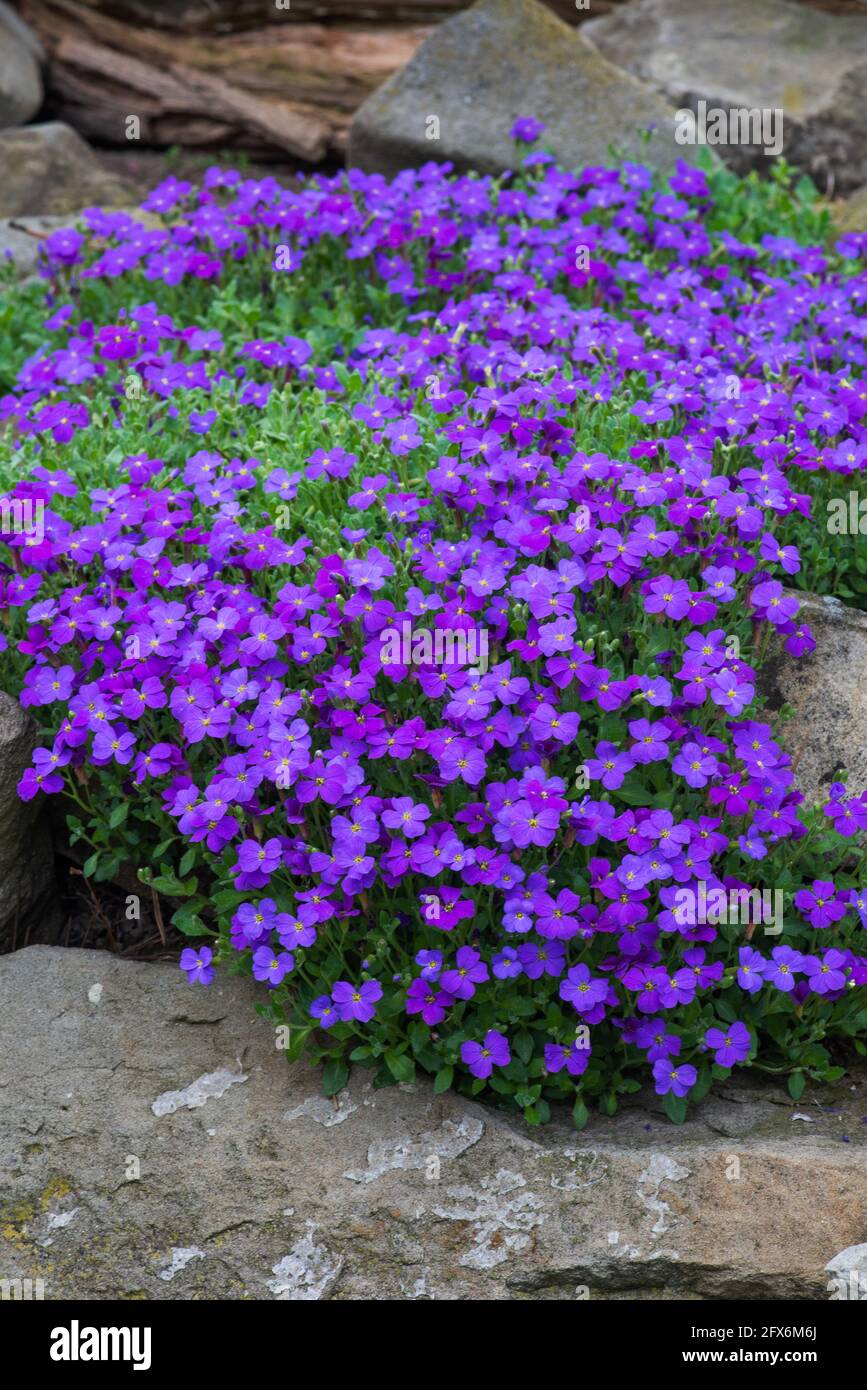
<point x="26" y="36"/>
<point x="851" y="216"/>
<point x="155" y="1144"/>
<point x="28" y="911"/>
<point x="20" y="80"/>
<point x="20" y="238"/>
<point x="775" y="55"/>
<point x="827" y="691"/>
<point x="481" y="70"/>
<point x="48" y="169"/>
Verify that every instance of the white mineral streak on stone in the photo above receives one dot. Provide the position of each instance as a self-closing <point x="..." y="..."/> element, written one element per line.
<point x="613" y="1237"/>
<point x="450" y="1140"/>
<point x="660" y="1169"/>
<point x="181" y="1256"/>
<point x="321" y="1110"/>
<point x="208" y="1087"/>
<point x="94" y="994"/>
<point x="307" y="1272"/>
<point x="494" y="1214"/>
<point x="808" y="1119"/>
<point x="58" y="1219"/>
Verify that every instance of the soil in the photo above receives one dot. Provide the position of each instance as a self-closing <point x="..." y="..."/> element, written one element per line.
<point x="95" y="917"/>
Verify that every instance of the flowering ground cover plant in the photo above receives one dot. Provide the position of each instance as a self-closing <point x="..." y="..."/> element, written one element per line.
<point x="591" y="418"/>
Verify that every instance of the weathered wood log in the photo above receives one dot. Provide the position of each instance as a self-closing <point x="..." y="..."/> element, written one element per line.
<point x="290" y="89"/>
<point x="233" y="16"/>
<point x="179" y="89"/>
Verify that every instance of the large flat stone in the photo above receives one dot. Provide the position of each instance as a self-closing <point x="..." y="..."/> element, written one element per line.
<point x="827" y="690"/>
<point x="481" y="70"/>
<point x="775" y="54"/>
<point x="251" y="1185"/>
<point x="48" y="169"/>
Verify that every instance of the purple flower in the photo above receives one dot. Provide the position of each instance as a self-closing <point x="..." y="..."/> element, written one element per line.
<point x="823" y="905"/>
<point x="771" y="602"/>
<point x="526" y="130"/>
<point x="827" y="975"/>
<point x="581" y="990"/>
<point x="780" y="969"/>
<point x="468" y="971"/>
<point x="573" y="1057"/>
<point x="323" y="1009"/>
<point x="356" y="1001"/>
<point x="406" y="816"/>
<point x="197" y="964"/>
<point x="679" y="1079"/>
<point x="271" y="966"/>
<point x="429" y="1000"/>
<point x="668" y="596"/>
<point x="729" y="1046"/>
<point x="695" y="766"/>
<point x="482" y="1057"/>
<point x="751" y="970"/>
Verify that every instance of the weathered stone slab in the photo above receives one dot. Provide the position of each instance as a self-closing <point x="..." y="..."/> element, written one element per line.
<point x="251" y="1185"/>
<point x="775" y="54"/>
<point x="48" y="169"/>
<point x="827" y="690"/>
<point x="502" y="59"/>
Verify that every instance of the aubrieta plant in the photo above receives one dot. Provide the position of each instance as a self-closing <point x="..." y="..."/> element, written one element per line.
<point x="590" y="417"/>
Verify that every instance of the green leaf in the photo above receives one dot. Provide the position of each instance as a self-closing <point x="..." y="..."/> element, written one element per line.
<point x="118" y="815"/>
<point x="524" y="1046"/>
<point x="401" y="1065"/>
<point x="89" y="866"/>
<point x="634" y="794"/>
<point x="580" y="1114"/>
<point x="189" y="922"/>
<point x="796" y="1083"/>
<point x="443" y="1081"/>
<point x="335" y="1076"/>
<point x="186" y="863"/>
<point x="675" y="1108"/>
